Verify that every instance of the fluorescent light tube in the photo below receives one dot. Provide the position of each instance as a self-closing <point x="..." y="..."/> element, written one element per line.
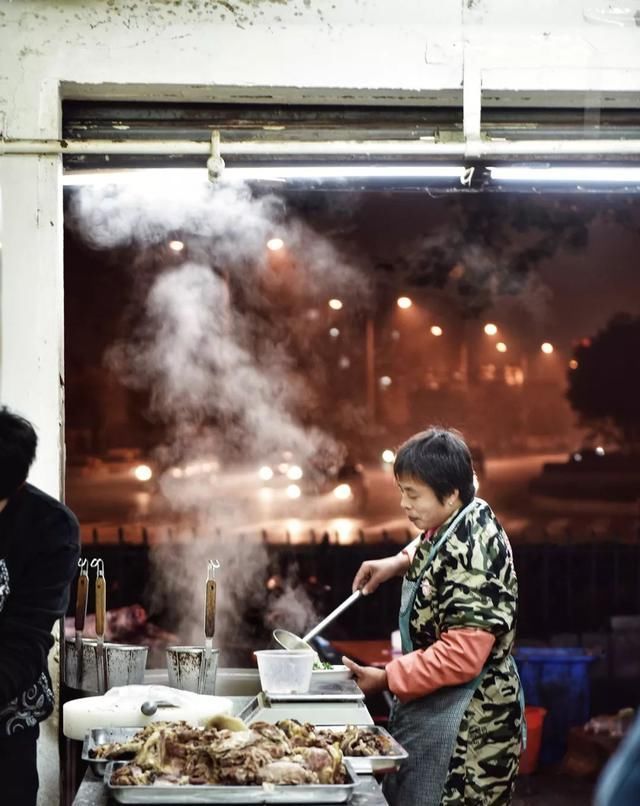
<point x="573" y="174"/>
<point x="273" y="173"/>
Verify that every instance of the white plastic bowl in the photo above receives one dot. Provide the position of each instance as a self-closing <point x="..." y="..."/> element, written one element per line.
<point x="285" y="671"/>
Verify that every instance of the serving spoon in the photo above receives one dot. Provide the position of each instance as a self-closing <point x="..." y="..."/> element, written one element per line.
<point x="289" y="640"/>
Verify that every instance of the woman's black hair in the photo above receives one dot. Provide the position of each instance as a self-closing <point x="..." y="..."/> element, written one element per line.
<point x="18" y="443"/>
<point x="440" y="458"/>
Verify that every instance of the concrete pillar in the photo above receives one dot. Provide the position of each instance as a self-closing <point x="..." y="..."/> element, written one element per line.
<point x="31" y="350"/>
<point x="31" y="304"/>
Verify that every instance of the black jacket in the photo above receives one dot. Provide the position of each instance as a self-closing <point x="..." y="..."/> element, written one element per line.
<point x="39" y="548"/>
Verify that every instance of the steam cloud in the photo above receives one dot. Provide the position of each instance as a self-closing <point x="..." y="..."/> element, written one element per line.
<point x="220" y="376"/>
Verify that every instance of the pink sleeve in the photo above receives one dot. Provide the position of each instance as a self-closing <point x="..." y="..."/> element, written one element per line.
<point x="456" y="657"/>
<point x="410" y="550"/>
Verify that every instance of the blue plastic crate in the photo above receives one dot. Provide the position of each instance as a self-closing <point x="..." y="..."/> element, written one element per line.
<point x="556" y="679"/>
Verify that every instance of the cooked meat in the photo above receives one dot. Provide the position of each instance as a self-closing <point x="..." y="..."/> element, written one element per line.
<point x="121" y="750"/>
<point x="117" y="750"/>
<point x="252" y="757"/>
<point x="273" y="738"/>
<point x="355" y="741"/>
<point x="177" y="754"/>
<point x="326" y="762"/>
<point x="132" y="775"/>
<point x="301" y="734"/>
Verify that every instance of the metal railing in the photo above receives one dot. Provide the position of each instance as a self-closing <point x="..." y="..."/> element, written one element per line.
<point x="564" y="587"/>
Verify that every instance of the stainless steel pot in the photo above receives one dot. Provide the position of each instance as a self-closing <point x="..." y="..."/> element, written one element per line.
<point x="190" y="670"/>
<point x="125" y="664"/>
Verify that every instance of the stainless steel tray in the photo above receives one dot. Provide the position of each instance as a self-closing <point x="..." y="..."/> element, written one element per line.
<point x="337" y="690"/>
<point x="98" y="736"/>
<point x="362" y="765"/>
<point x="366" y="765"/>
<point x="268" y="793"/>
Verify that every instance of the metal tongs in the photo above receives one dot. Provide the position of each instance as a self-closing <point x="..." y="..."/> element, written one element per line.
<point x="82" y="594"/>
<point x="101" y="614"/>
<point x="209" y="622"/>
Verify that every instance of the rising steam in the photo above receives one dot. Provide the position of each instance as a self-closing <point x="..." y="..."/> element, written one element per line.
<point x="212" y="346"/>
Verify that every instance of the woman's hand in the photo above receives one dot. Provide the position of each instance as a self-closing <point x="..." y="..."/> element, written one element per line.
<point x="373" y="572"/>
<point x="369" y="679"/>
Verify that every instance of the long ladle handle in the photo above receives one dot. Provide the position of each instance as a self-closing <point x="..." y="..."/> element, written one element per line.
<point x="334" y="613"/>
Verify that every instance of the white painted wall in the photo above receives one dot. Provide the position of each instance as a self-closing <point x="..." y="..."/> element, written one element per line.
<point x="249" y="50"/>
<point x="31" y="302"/>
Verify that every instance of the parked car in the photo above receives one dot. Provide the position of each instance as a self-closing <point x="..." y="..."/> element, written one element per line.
<point x="115" y="464"/>
<point x="342" y="486"/>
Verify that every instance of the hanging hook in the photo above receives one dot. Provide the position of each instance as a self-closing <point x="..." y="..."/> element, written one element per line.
<point x="212" y="565"/>
<point x="467" y="176"/>
<point x="83" y="565"/>
<point x="215" y="163"/>
<point x="99" y="564"/>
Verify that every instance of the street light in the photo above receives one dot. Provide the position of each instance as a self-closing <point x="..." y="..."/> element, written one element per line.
<point x="275" y="244"/>
<point x="335" y="304"/>
<point x="490" y="329"/>
<point x="501" y="347"/>
<point x="404" y="302"/>
<point x="547" y="348"/>
<point x="436" y="330"/>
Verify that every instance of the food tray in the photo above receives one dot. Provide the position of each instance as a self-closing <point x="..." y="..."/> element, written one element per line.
<point x="217" y="793"/>
<point x="332" y="675"/>
<point x="334" y="690"/>
<point x="362" y="765"/>
<point x="366" y="765"/>
<point x="98" y="736"/>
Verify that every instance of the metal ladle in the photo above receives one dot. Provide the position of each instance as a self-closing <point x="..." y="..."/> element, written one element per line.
<point x="289" y="640"/>
<point x="149" y="707"/>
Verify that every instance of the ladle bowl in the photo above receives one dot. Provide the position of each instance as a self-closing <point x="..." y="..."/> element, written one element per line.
<point x="289" y="640"/>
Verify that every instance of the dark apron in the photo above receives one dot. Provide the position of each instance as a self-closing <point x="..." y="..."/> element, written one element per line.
<point x="428" y="727"/>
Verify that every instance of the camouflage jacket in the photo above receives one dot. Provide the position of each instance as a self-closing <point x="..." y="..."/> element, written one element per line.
<point x="471" y="582"/>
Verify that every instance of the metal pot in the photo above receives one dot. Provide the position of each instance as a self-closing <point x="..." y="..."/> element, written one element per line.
<point x="185" y="664"/>
<point x="125" y="664"/>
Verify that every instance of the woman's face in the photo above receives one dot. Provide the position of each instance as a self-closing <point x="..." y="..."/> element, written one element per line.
<point x="421" y="504"/>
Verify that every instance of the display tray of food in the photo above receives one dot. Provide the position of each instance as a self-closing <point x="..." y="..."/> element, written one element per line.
<point x="367" y="748"/>
<point x="172" y="793"/>
<point x="178" y="763"/>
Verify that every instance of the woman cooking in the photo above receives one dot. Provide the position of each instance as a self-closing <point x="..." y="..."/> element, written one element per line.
<point x="457" y="707"/>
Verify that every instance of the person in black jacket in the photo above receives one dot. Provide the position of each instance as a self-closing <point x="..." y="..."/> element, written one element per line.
<point x="39" y="548"/>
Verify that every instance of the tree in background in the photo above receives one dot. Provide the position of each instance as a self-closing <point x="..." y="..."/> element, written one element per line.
<point x="604" y="386"/>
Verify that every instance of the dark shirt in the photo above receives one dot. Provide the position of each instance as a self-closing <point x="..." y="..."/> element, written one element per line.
<point x="39" y="548"/>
